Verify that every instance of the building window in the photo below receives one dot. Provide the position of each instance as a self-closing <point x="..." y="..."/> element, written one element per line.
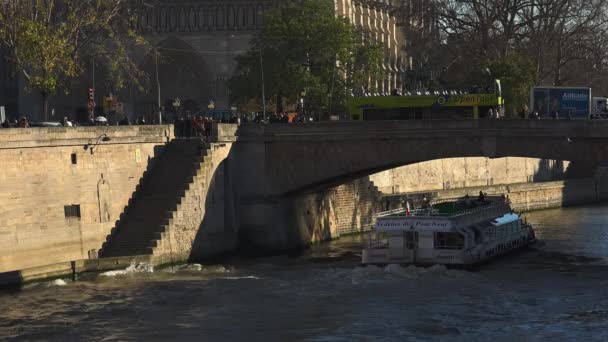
<point x="72" y="211"/>
<point x="74" y="159"/>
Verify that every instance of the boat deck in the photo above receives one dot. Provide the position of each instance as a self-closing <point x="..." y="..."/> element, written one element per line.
<point x="447" y="208"/>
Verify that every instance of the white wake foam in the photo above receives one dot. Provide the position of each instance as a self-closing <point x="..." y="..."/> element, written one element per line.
<point x="239" y="278"/>
<point x="56" y="282"/>
<point x="134" y="267"/>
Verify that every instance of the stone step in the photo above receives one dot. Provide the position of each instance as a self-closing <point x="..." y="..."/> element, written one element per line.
<point x="122" y="248"/>
<point x="158" y="197"/>
<point x="130" y="245"/>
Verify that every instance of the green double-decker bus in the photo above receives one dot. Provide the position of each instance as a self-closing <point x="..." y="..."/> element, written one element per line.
<point x="441" y="105"/>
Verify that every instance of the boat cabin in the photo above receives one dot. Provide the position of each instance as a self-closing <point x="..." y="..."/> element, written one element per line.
<point x="453" y="232"/>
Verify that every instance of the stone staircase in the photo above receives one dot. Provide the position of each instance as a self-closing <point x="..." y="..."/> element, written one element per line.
<point x="356" y="204"/>
<point x="150" y="212"/>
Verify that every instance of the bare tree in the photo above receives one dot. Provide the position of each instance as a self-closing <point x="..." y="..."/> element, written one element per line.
<point x="561" y="37"/>
<point x="560" y="32"/>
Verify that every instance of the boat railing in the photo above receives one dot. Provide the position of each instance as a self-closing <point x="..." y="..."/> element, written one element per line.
<point x="479" y="208"/>
<point x="471" y="216"/>
<point x="488" y="199"/>
<point x="421" y="212"/>
<point x="415" y="212"/>
<point x="391" y="212"/>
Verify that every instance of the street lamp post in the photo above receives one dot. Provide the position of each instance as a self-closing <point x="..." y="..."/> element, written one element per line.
<point x="160" y="116"/>
<point x="91" y="146"/>
<point x="263" y="86"/>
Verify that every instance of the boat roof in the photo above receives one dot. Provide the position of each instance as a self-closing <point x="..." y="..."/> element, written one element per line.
<point x="447" y="208"/>
<point x="506" y="218"/>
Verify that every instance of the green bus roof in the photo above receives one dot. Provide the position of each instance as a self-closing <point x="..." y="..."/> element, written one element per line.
<point x="359" y="104"/>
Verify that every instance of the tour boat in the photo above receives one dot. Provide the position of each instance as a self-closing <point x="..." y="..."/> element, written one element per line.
<point x="463" y="232"/>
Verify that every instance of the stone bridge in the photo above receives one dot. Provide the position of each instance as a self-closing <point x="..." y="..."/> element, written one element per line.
<point x="277" y="166"/>
<point x="288" y="159"/>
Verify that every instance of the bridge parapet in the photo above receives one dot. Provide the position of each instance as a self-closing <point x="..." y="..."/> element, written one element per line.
<point x="71" y="136"/>
<point x="380" y="129"/>
<point x="223" y="132"/>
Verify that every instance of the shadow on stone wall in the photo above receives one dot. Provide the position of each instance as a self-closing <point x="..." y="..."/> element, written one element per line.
<point x="158" y="152"/>
<point x="549" y="170"/>
<point x="585" y="183"/>
<point x="217" y="233"/>
<point x="334" y="212"/>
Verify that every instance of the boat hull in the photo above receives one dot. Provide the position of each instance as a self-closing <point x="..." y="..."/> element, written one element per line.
<point x="382" y="257"/>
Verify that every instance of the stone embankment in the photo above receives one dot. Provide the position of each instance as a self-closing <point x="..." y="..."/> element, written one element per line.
<point x="62" y="189"/>
<point x="523" y="196"/>
<point x="68" y="196"/>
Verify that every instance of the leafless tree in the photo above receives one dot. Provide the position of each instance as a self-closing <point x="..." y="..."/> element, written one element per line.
<point x="563" y="38"/>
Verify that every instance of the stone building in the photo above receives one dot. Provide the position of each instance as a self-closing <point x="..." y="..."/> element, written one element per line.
<point x="377" y="23"/>
<point x="199" y="40"/>
<point x="419" y="23"/>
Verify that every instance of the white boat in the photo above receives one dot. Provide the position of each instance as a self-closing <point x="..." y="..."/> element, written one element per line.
<point x="464" y="232"/>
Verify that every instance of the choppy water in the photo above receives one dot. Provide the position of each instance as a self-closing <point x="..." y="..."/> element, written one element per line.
<point x="557" y="290"/>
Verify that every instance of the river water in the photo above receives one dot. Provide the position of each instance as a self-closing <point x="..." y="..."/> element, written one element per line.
<point x="556" y="290"/>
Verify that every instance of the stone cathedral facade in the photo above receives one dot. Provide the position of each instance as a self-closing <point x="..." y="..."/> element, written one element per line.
<point x="203" y="37"/>
<point x="199" y="40"/>
<point x="377" y="23"/>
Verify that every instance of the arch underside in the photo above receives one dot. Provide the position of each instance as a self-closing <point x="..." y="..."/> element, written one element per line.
<point x="313" y="165"/>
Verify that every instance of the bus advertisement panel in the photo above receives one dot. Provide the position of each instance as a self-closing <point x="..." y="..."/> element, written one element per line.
<point x="566" y="102"/>
<point x="420" y="107"/>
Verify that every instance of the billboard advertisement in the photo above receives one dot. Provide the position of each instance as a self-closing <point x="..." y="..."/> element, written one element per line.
<point x="566" y="102"/>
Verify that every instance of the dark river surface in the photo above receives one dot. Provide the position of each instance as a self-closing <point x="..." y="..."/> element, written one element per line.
<point x="554" y="291"/>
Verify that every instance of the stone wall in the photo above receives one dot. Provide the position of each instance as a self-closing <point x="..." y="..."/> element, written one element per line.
<point x="204" y="223"/>
<point x="58" y="201"/>
<point x="331" y="213"/>
<point x="524" y="196"/>
<point x="454" y="173"/>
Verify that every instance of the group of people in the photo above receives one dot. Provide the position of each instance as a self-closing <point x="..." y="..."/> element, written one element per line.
<point x="194" y="126"/>
<point x="25" y="123"/>
<point x="534" y="115"/>
<point x="21" y="123"/>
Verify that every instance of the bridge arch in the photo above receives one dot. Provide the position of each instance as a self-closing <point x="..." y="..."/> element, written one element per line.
<point x="301" y="158"/>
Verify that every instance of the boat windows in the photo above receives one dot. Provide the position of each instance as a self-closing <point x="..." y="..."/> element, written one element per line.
<point x="492" y="233"/>
<point x="478" y="235"/>
<point x="449" y="240"/>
